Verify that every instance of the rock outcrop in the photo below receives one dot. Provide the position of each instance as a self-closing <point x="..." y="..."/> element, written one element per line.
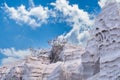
<point x="65" y="62"/>
<point x="107" y="42"/>
<point x="100" y="60"/>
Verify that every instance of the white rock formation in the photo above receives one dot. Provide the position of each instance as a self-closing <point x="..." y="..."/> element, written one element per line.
<point x="100" y="60"/>
<point x="107" y="36"/>
<point x="63" y="62"/>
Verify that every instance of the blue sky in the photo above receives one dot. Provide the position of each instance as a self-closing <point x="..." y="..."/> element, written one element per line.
<point x="20" y="34"/>
<point x="23" y="36"/>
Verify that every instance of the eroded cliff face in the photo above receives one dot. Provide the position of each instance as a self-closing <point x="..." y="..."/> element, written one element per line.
<point x="106" y="40"/>
<point x="65" y="64"/>
<point x="100" y="60"/>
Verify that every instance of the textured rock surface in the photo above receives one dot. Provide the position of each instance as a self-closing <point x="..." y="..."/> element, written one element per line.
<point x="67" y="66"/>
<point x="100" y="60"/>
<point x="106" y="40"/>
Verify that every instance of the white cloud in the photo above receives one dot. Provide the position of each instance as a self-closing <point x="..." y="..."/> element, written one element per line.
<point x="118" y="0"/>
<point x="31" y="3"/>
<point x="14" y="55"/>
<point x="9" y="60"/>
<point x="34" y="16"/>
<point x="74" y="13"/>
<point x="77" y="18"/>
<point x="11" y="52"/>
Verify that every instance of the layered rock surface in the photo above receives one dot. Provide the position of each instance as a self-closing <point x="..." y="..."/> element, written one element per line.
<point x="107" y="39"/>
<point x="100" y="60"/>
<point x="62" y="62"/>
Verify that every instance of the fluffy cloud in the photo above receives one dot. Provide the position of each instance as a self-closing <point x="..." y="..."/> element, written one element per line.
<point x="14" y="55"/>
<point x="34" y="16"/>
<point x="77" y="18"/>
<point x="9" y="60"/>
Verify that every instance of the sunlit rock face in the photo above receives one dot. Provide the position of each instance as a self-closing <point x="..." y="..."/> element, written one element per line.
<point x="100" y="60"/>
<point x="107" y="42"/>
<point x="60" y="63"/>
